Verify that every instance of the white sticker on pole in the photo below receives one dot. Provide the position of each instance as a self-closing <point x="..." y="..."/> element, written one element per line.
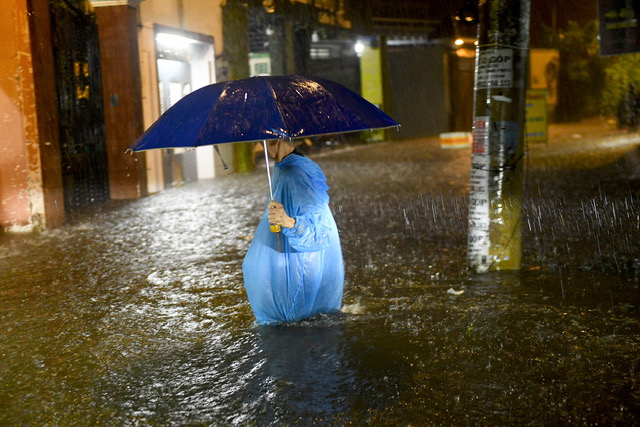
<point x="478" y="244"/>
<point x="495" y="68"/>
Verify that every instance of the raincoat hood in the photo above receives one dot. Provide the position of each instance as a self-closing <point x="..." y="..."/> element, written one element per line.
<point x="315" y="181"/>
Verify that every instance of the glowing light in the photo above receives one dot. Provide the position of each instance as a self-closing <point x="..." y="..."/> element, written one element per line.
<point x="174" y="41"/>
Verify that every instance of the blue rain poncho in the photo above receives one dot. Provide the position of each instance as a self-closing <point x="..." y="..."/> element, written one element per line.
<point x="298" y="272"/>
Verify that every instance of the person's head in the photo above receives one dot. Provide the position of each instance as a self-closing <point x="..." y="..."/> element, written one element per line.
<point x="278" y="149"/>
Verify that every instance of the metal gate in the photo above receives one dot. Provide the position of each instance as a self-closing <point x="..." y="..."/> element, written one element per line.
<point x="81" y="113"/>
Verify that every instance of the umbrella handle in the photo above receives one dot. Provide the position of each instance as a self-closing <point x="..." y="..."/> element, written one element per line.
<point x="266" y="161"/>
<point x="275" y="228"/>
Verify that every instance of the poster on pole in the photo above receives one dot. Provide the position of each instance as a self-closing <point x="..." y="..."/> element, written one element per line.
<point x="478" y="244"/>
<point x="495" y="69"/>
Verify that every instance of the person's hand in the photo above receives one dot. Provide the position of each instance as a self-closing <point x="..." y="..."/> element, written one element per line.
<point x="278" y="216"/>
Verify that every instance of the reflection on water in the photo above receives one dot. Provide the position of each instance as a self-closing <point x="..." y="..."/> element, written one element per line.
<point x="135" y="313"/>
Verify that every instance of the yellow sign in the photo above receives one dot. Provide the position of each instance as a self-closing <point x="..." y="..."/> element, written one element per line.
<point x="371" y="81"/>
<point x="544" y="71"/>
<point x="536" y="127"/>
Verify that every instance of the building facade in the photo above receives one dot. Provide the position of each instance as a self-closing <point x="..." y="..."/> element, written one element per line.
<point x="80" y="80"/>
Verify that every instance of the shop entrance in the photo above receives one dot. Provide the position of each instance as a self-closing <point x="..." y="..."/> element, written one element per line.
<point x="185" y="62"/>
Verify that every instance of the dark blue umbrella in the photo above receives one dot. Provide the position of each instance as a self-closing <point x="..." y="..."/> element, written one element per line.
<point x="262" y="108"/>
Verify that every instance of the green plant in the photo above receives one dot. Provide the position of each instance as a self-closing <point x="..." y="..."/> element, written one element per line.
<point x="621" y="71"/>
<point x="582" y="72"/>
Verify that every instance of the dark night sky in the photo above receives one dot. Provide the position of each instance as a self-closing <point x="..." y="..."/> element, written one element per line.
<point x="544" y="13"/>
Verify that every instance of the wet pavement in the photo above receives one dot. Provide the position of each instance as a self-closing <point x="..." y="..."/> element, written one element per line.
<point x="134" y="313"/>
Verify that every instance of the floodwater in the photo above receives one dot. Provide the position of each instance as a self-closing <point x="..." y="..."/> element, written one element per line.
<point x="135" y="313"/>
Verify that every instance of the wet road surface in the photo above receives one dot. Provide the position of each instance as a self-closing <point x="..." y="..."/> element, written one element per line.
<point x="135" y="312"/>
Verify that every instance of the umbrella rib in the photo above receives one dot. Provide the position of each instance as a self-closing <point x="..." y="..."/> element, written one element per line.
<point x="210" y="115"/>
<point x="275" y="97"/>
<point x="330" y="94"/>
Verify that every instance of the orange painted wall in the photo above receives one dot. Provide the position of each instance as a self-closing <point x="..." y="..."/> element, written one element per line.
<point x="30" y="175"/>
<point x="14" y="194"/>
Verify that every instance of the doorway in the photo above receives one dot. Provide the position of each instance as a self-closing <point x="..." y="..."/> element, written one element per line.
<point x="81" y="113"/>
<point x="185" y="62"/>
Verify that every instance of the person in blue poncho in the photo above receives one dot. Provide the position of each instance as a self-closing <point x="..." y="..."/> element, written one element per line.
<point x="298" y="272"/>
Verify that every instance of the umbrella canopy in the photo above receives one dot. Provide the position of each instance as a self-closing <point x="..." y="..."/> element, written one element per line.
<point x="262" y="108"/>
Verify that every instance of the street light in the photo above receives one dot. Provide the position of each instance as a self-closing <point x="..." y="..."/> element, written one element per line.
<point x="468" y="14"/>
<point x="359" y="48"/>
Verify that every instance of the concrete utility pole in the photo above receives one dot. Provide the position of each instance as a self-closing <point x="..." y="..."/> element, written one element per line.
<point x="498" y="136"/>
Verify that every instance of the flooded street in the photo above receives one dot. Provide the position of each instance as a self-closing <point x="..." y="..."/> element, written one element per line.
<point x="135" y="312"/>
